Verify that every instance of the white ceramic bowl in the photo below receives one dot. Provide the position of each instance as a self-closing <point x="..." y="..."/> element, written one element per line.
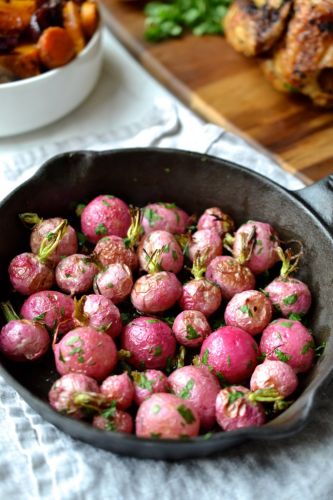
<point x="34" y="102"/>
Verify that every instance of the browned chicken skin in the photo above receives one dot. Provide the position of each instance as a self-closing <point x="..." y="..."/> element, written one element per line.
<point x="304" y="61"/>
<point x="253" y="26"/>
<point x="299" y="47"/>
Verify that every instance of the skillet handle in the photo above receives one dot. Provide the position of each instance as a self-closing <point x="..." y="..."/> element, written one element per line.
<point x="319" y="198"/>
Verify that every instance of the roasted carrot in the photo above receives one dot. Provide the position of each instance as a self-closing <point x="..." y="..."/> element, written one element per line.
<point x="56" y="47"/>
<point x="15" y="16"/>
<point x="89" y="18"/>
<point x="72" y="24"/>
<point x="23" y="62"/>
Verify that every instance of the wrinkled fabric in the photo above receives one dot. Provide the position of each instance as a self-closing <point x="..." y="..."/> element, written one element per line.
<point x="37" y="461"/>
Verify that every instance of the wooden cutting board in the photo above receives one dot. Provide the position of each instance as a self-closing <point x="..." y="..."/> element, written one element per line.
<point x="230" y="90"/>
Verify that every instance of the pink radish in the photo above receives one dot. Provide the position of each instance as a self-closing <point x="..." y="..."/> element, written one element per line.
<point x="165" y="416"/>
<point x="103" y="216"/>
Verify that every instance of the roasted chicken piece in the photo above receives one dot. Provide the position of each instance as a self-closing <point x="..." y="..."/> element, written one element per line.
<point x="304" y="60"/>
<point x="253" y="26"/>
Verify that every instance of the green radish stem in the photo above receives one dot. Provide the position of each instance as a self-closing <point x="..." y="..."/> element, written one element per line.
<point x="184" y="241"/>
<point x="51" y="241"/>
<point x="135" y="230"/>
<point x="289" y="260"/>
<point x="79" y="315"/>
<point x="90" y="400"/>
<point x="30" y="218"/>
<point x="228" y="242"/>
<point x="199" y="265"/>
<point x="248" y="241"/>
<point x="153" y="264"/>
<point x="181" y="357"/>
<point x="8" y="311"/>
<point x="270" y="395"/>
<point x="123" y="354"/>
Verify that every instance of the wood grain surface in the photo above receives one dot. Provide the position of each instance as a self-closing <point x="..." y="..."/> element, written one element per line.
<point x="230" y="90"/>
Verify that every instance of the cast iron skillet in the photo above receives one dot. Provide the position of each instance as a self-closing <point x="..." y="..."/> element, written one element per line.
<point x="194" y="182"/>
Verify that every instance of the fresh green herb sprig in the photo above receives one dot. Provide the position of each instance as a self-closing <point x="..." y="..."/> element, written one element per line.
<point x="172" y="19"/>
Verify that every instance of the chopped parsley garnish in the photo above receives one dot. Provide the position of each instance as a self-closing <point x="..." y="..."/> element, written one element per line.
<point x="101" y="229"/>
<point x="191" y="333"/>
<point x="233" y="396"/>
<point x="76" y="349"/>
<point x="151" y="216"/>
<point x="106" y="203"/>
<point x="170" y="20"/>
<point x="185" y="393"/>
<point x="309" y="345"/>
<point x="68" y="275"/>
<point x="110" y="411"/>
<point x="169" y="320"/>
<point x="290" y="299"/>
<point x="204" y="358"/>
<point x="73" y="339"/>
<point x="186" y="413"/>
<point x="144" y="382"/>
<point x="166" y="248"/>
<point x="174" y="255"/>
<point x="79" y="209"/>
<point x="152" y="321"/>
<point x="62" y="312"/>
<point x="40" y="316"/>
<point x="169" y="367"/>
<point x="155" y="435"/>
<point x="157" y="350"/>
<point x="167" y="205"/>
<point x="287" y="324"/>
<point x="228" y="360"/>
<point x="110" y="425"/>
<point x="282" y="356"/>
<point x="126" y="317"/>
<point x="246" y="310"/>
<point x="217" y="323"/>
<point x="220" y="376"/>
<point x="110" y="285"/>
<point x="295" y="316"/>
<point x="82" y="239"/>
<point x="156" y="409"/>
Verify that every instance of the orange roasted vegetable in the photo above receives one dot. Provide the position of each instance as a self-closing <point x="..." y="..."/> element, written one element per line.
<point x="72" y="24"/>
<point x="15" y="15"/>
<point x="56" y="47"/>
<point x="23" y="62"/>
<point x="89" y="18"/>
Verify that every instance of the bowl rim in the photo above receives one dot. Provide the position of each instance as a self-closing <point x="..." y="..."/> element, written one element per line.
<point x="53" y="72"/>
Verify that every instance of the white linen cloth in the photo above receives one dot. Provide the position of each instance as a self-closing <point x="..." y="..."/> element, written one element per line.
<point x="37" y="461"/>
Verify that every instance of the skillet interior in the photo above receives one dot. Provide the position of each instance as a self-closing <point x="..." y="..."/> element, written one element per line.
<point x="194" y="182"/>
